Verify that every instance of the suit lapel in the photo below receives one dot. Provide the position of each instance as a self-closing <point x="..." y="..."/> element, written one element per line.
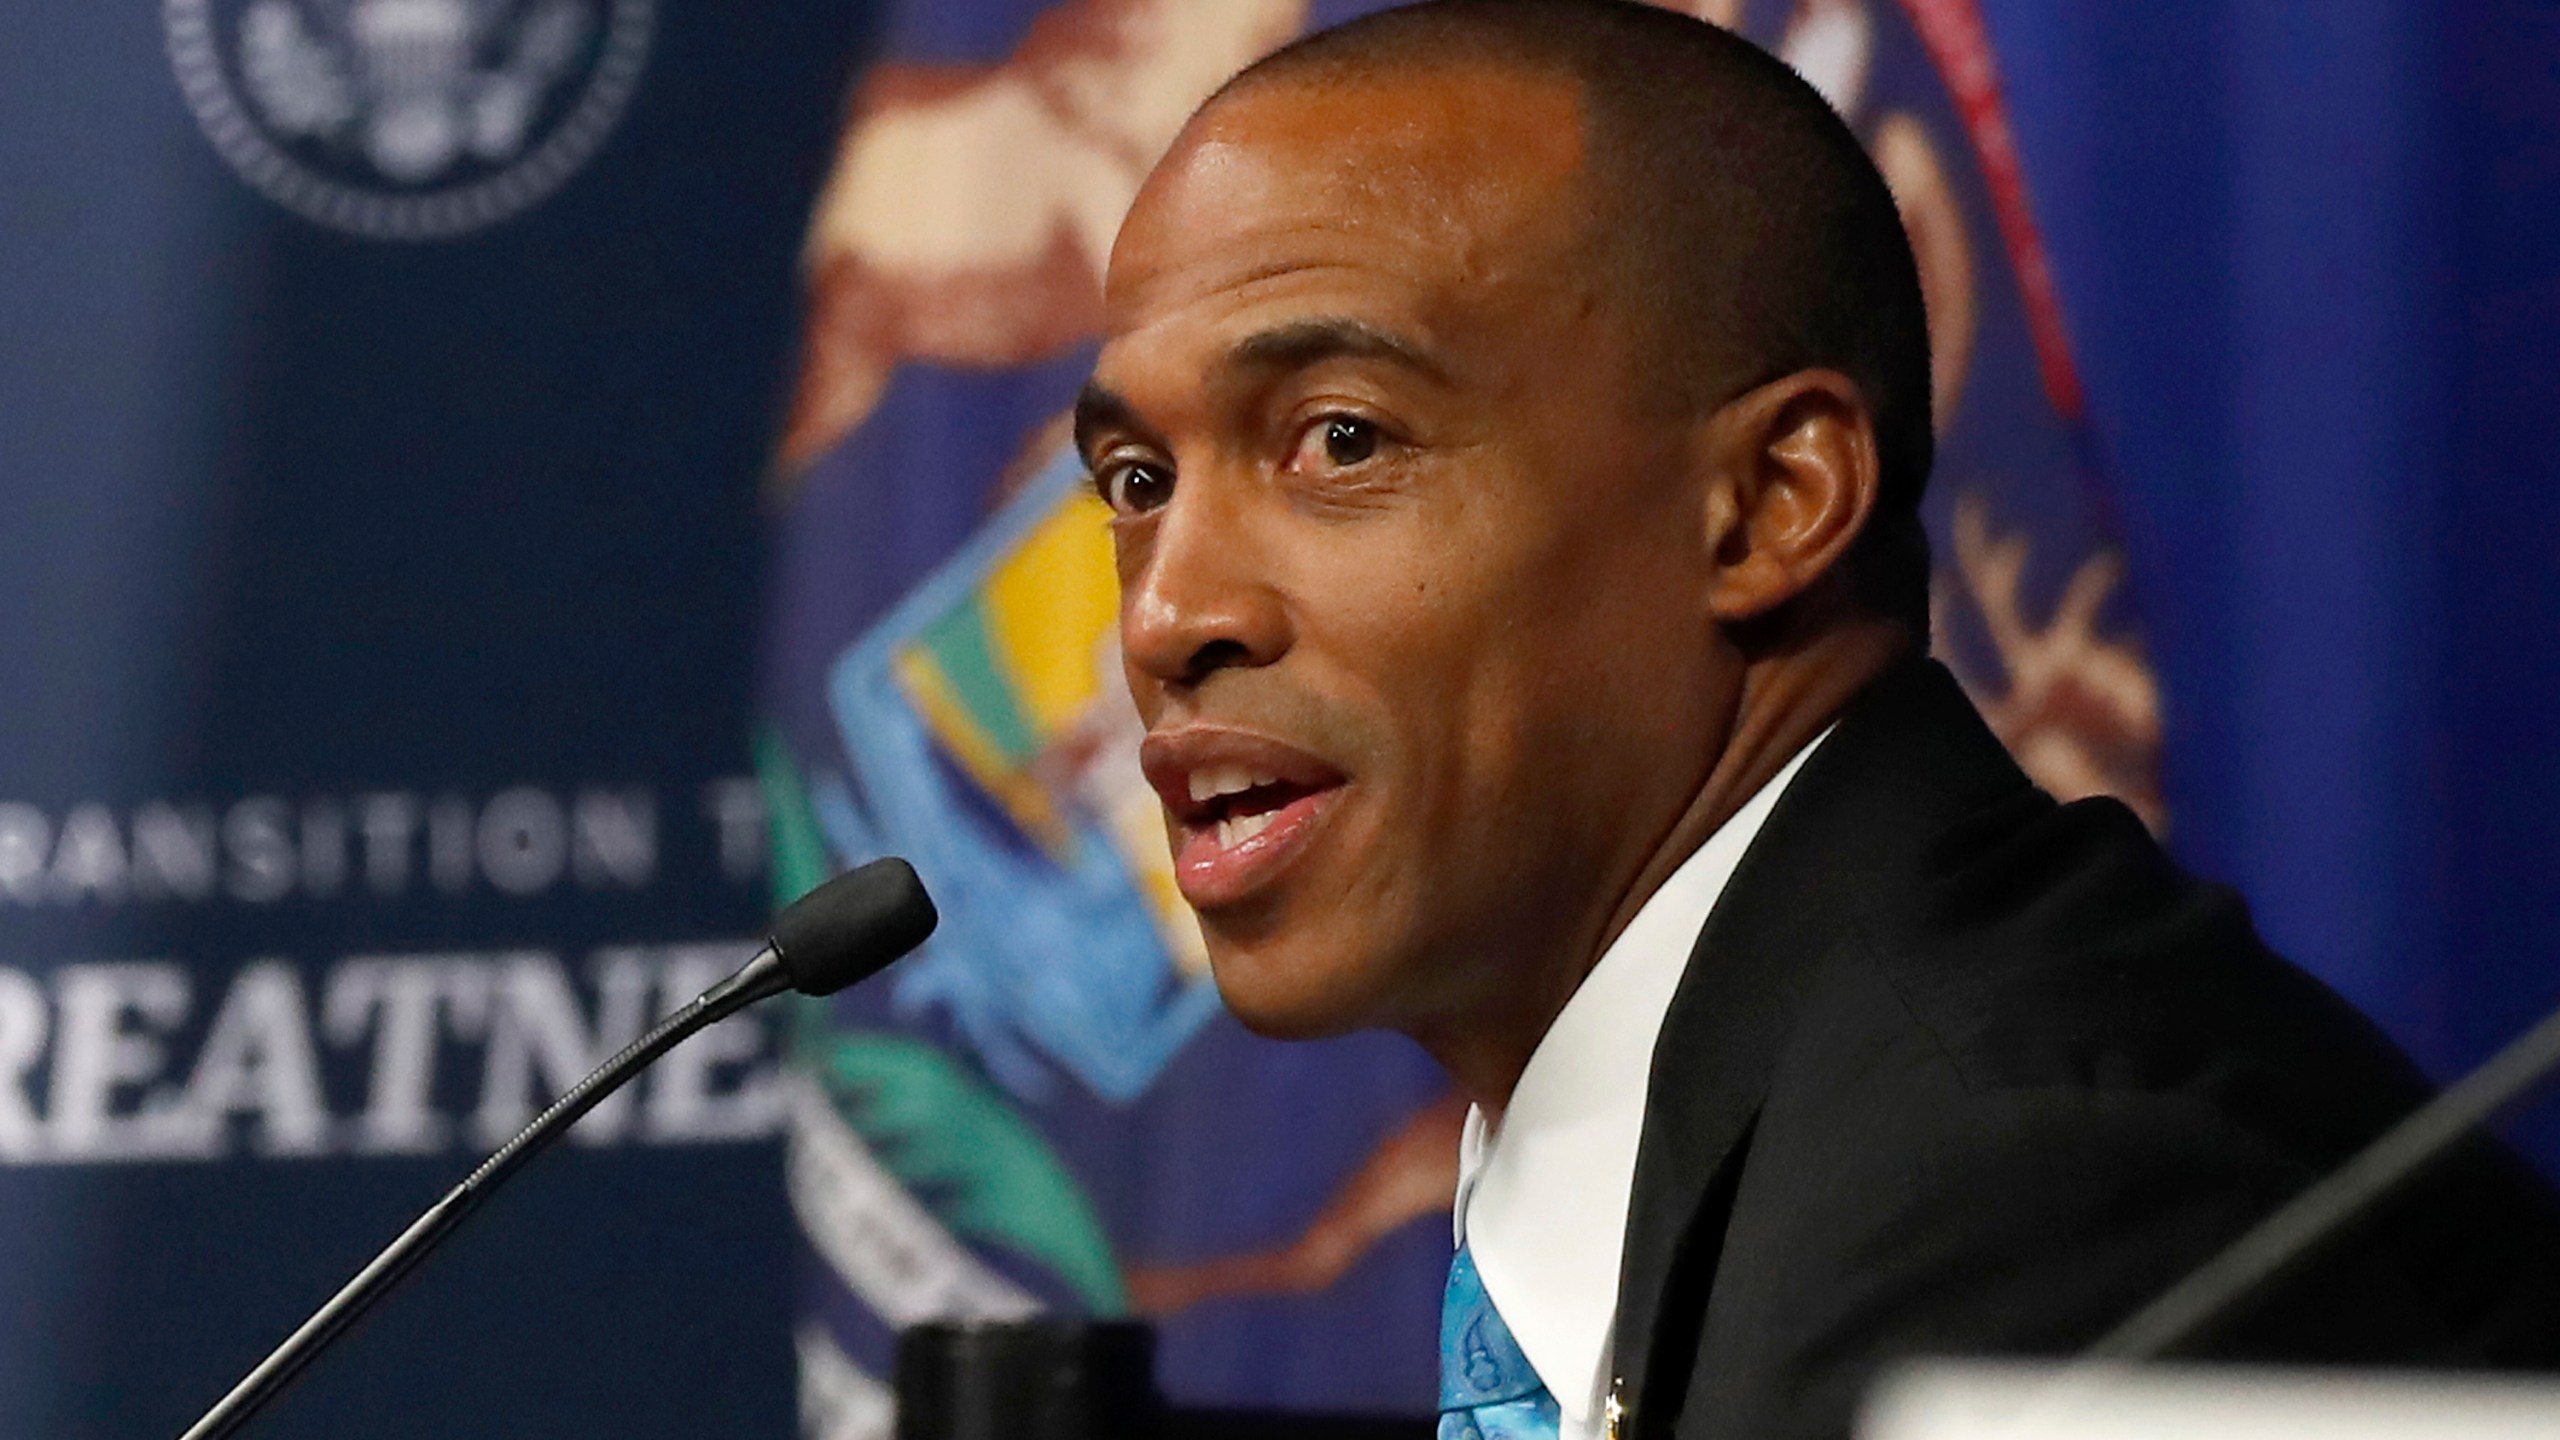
<point x="1909" y="758"/>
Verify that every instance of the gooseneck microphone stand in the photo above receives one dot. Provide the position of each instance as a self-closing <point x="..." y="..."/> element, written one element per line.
<point x="844" y="931"/>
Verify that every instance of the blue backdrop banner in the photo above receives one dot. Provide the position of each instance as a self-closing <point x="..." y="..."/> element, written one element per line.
<point x="383" y="391"/>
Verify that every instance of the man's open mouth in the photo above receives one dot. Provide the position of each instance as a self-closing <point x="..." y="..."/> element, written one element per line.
<point x="1237" y="804"/>
<point x="1242" y="806"/>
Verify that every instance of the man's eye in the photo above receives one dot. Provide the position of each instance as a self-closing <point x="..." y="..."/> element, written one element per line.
<point x="1339" y="441"/>
<point x="1133" y="489"/>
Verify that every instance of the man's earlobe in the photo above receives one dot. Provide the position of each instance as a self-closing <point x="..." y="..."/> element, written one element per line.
<point x="1795" y="480"/>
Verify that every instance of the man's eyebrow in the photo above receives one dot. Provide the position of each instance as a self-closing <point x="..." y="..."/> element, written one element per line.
<point x="1278" y="350"/>
<point x="1302" y="343"/>
<point x="1100" y="407"/>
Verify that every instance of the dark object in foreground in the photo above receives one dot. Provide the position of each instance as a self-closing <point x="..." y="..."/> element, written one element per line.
<point x="1254" y="1425"/>
<point x="1036" y="1379"/>
<point x="1051" y="1378"/>
<point x="846" y="930"/>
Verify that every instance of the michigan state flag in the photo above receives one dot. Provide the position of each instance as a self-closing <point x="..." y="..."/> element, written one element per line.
<point x="1047" y="1109"/>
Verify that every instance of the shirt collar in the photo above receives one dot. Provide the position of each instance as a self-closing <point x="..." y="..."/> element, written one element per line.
<point x="1542" y="1194"/>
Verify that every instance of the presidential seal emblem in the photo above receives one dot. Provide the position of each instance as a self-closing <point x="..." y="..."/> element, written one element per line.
<point x="407" y="119"/>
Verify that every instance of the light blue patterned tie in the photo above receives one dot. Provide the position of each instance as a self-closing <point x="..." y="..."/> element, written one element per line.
<point x="1488" y="1390"/>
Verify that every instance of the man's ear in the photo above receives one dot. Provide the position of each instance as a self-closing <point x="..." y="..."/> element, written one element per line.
<point x="1792" y="478"/>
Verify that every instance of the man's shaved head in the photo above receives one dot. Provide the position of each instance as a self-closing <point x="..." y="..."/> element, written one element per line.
<point x="1738" y="219"/>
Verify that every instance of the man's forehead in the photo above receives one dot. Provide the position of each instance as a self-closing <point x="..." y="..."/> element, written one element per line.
<point x="1482" y="116"/>
<point x="1458" y="164"/>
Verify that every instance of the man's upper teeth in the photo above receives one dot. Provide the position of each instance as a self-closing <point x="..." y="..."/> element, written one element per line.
<point x="1211" y="781"/>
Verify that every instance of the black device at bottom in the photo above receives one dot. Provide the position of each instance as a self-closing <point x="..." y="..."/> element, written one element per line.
<point x="1054" y="1378"/>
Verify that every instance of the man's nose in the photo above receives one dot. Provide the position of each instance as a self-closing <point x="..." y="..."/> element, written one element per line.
<point x="1203" y="599"/>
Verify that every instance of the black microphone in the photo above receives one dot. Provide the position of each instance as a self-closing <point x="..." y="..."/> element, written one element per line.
<point x="846" y="930"/>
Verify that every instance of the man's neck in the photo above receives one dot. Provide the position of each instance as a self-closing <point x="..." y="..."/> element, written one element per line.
<point x="1789" y="694"/>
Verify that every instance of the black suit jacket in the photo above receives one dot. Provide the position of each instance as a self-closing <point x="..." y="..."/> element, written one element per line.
<point x="1958" y="1069"/>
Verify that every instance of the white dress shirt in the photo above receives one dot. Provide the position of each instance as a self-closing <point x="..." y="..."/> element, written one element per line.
<point x="1543" y="1189"/>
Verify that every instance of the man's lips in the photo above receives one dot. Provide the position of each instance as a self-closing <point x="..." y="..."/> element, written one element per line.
<point x="1242" y="806"/>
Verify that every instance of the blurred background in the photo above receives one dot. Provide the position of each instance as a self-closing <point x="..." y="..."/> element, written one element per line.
<point x="496" y="493"/>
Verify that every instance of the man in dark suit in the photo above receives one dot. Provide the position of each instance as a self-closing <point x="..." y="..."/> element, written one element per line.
<point x="1514" y="415"/>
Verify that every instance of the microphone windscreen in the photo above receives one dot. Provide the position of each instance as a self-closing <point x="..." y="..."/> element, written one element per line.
<point x="850" y="928"/>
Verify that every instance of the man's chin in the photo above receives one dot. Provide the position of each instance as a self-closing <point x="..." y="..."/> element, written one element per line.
<point x="1278" y="1000"/>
